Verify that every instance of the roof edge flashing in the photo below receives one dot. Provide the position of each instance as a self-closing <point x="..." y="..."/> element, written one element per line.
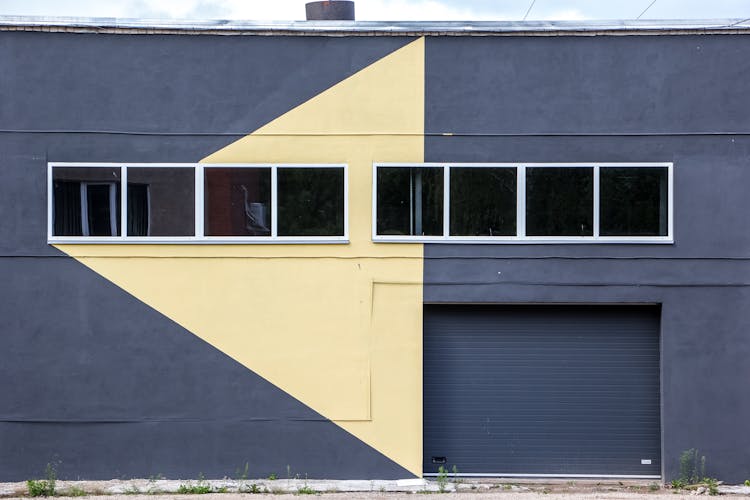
<point x="395" y="28"/>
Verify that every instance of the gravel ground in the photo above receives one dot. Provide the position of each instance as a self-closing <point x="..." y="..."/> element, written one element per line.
<point x="141" y="489"/>
<point x="504" y="495"/>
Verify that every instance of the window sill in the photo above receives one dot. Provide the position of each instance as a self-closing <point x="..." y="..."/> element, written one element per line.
<point x="199" y="241"/>
<point x="528" y="240"/>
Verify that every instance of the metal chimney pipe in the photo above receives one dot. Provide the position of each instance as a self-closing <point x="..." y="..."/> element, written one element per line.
<point x="330" y="10"/>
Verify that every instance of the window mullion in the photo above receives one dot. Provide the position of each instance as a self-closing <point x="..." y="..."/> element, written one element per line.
<point x="199" y="201"/>
<point x="446" y="200"/>
<point x="597" y="204"/>
<point x="521" y="202"/>
<point x="274" y="202"/>
<point x="123" y="201"/>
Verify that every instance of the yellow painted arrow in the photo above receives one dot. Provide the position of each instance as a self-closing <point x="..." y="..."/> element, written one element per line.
<point x="339" y="327"/>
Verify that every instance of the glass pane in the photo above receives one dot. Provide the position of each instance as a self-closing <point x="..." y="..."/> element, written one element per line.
<point x="311" y="201"/>
<point x="410" y="201"/>
<point x="633" y="201"/>
<point x="559" y="201"/>
<point x="237" y="201"/>
<point x="86" y="201"/>
<point x="483" y="201"/>
<point x="161" y="201"/>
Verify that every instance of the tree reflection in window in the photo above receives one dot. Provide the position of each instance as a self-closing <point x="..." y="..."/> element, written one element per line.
<point x="310" y="201"/>
<point x="483" y="201"/>
<point x="633" y="201"/>
<point x="559" y="201"/>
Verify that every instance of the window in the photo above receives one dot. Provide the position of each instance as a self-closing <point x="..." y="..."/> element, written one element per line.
<point x="197" y="203"/>
<point x="311" y="202"/>
<point x="634" y="202"/>
<point x="529" y="203"/>
<point x="237" y="201"/>
<point x="410" y="201"/>
<point x="161" y="201"/>
<point x="560" y="201"/>
<point x="483" y="201"/>
<point x="86" y="201"/>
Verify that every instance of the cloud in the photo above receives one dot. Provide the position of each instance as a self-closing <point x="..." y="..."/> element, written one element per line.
<point x="411" y="10"/>
<point x="560" y="15"/>
<point x="208" y="9"/>
<point x="141" y="8"/>
<point x="265" y="10"/>
<point x="407" y="10"/>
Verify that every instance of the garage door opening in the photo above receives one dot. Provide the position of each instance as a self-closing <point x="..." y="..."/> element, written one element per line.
<point x="568" y="391"/>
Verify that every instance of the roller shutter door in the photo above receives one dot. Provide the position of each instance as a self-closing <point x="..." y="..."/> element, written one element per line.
<point x="542" y="390"/>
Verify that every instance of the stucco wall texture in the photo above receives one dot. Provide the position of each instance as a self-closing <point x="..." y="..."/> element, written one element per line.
<point x="109" y="386"/>
<point x="112" y="387"/>
<point x="619" y="99"/>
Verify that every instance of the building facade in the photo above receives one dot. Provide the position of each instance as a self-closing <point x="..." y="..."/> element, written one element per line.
<point x="368" y="250"/>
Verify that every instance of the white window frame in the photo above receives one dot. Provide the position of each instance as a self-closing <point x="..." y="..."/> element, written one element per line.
<point x="521" y="237"/>
<point x="200" y="237"/>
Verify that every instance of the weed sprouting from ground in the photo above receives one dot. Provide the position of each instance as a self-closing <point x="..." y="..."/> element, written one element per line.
<point x="693" y="473"/>
<point x="306" y="490"/>
<point x="442" y="479"/>
<point x="44" y="487"/>
<point x="200" y="488"/>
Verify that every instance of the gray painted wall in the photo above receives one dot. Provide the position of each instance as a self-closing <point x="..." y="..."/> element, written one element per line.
<point x="619" y="99"/>
<point x="68" y="97"/>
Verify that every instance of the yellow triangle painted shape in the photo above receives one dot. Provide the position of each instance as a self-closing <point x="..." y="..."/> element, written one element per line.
<point x="338" y="327"/>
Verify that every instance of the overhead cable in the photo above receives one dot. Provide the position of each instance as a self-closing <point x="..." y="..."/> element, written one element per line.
<point x="646" y="9"/>
<point x="529" y="9"/>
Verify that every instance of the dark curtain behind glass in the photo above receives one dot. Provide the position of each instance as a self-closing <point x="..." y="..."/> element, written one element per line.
<point x="137" y="210"/>
<point x="67" y="198"/>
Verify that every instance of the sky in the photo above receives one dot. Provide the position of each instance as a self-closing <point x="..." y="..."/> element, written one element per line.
<point x="388" y="10"/>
